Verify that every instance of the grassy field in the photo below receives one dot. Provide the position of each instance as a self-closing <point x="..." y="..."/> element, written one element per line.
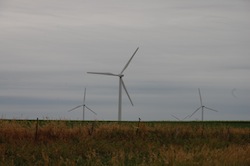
<point x="126" y="143"/>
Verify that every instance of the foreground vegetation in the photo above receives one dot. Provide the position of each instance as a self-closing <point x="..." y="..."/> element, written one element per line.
<point x="126" y="143"/>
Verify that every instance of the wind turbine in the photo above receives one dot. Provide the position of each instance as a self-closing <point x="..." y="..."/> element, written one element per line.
<point x="83" y="106"/>
<point x="121" y="84"/>
<point x="179" y="118"/>
<point x="202" y="108"/>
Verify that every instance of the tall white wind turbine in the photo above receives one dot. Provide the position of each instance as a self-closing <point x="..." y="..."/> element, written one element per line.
<point x="83" y="106"/>
<point x="121" y="84"/>
<point x="202" y="108"/>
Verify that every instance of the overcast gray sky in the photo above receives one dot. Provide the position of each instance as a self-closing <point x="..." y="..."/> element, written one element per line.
<point x="47" y="46"/>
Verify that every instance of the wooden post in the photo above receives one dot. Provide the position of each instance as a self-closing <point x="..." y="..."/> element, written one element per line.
<point x="139" y="122"/>
<point x="138" y="126"/>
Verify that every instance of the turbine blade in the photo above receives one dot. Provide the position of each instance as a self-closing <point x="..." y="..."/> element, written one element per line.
<point x="175" y="117"/>
<point x="200" y="96"/>
<point x="211" y="109"/>
<point x="109" y="74"/>
<point x="129" y="60"/>
<point x="84" y="96"/>
<point x="185" y="117"/>
<point x="194" y="112"/>
<point x="75" y="108"/>
<point x="91" y="110"/>
<point x="126" y="91"/>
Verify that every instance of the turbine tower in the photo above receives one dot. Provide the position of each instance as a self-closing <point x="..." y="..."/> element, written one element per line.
<point x="121" y="85"/>
<point x="202" y="108"/>
<point x="83" y="106"/>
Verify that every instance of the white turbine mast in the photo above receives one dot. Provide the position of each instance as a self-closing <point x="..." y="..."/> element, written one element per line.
<point x="83" y="106"/>
<point x="121" y="84"/>
<point x="202" y="108"/>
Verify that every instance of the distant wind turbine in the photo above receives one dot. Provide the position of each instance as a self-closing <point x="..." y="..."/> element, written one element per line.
<point x="121" y="84"/>
<point x="202" y="108"/>
<point x="83" y="106"/>
<point x="179" y="118"/>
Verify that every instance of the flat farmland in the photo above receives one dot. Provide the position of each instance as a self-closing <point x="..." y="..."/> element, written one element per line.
<point x="50" y="142"/>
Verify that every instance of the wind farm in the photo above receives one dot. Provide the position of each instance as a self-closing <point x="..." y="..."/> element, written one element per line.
<point x="167" y="83"/>
<point x="123" y="142"/>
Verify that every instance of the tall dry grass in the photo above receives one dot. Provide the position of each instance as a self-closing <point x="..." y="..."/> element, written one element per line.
<point x="96" y="143"/>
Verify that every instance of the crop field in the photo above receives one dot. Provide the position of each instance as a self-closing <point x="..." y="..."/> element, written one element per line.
<point x="48" y="142"/>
